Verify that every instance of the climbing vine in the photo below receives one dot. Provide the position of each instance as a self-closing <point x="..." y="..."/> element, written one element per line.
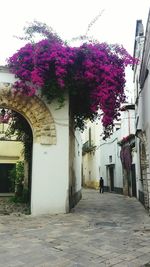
<point x="93" y="74"/>
<point x="126" y="157"/>
<point x="22" y="131"/>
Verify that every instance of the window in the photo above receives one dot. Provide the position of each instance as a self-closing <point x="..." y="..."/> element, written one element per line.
<point x="110" y="159"/>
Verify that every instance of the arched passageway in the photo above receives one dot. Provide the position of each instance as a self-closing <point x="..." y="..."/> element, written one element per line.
<point x="16" y="141"/>
<point x="35" y="112"/>
<point x="37" y="116"/>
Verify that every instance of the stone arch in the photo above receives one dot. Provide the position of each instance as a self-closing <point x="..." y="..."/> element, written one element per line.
<point x="34" y="110"/>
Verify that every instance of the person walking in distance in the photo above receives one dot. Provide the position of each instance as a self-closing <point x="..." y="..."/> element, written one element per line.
<point x="101" y="185"/>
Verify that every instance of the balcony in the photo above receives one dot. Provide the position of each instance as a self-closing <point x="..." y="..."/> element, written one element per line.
<point x="88" y="147"/>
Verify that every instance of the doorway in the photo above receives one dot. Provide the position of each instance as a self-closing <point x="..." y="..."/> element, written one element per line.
<point x="16" y="140"/>
<point x="111" y="176"/>
<point x="36" y="112"/>
<point x="5" y="182"/>
<point x="133" y="180"/>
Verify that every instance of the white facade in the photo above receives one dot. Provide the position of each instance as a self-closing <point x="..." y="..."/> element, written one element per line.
<point x="111" y="168"/>
<point x="102" y="158"/>
<point x="127" y="121"/>
<point x="10" y="152"/>
<point x="50" y="165"/>
<point x="51" y="180"/>
<point x="91" y="156"/>
<point x="128" y="150"/>
<point x="142" y="97"/>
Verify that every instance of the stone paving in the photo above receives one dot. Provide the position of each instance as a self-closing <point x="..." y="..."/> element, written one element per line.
<point x="102" y="230"/>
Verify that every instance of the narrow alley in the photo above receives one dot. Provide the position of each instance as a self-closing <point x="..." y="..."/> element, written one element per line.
<point x="102" y="230"/>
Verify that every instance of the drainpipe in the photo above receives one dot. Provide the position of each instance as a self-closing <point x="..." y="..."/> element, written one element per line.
<point x="129" y="122"/>
<point x="129" y="179"/>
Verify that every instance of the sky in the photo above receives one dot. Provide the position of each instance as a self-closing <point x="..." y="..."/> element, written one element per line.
<point x="70" y="18"/>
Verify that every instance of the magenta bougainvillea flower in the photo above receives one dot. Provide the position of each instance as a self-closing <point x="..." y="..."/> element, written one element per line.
<point x="126" y="151"/>
<point x="126" y="139"/>
<point x="93" y="75"/>
<point x="5" y="116"/>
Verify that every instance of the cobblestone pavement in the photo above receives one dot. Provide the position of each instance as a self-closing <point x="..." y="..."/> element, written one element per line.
<point x="102" y="230"/>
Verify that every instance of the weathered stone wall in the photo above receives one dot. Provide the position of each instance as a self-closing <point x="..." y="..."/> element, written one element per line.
<point x="35" y="112"/>
<point x="144" y="159"/>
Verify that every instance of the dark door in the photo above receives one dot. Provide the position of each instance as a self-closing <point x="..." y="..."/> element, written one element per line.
<point x="5" y="183"/>
<point x="133" y="177"/>
<point x="111" y="175"/>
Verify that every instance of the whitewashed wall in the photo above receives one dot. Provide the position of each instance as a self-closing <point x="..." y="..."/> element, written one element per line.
<point x="50" y="182"/>
<point x="10" y="152"/>
<point x="91" y="160"/>
<point x="110" y="148"/>
<point x="142" y="96"/>
<point x="50" y="163"/>
<point x="95" y="163"/>
<point x="127" y="123"/>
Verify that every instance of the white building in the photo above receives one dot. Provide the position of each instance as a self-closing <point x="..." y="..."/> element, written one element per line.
<point x="91" y="169"/>
<point x="128" y="151"/>
<point x="142" y="97"/>
<point x="56" y="150"/>
<point x="111" y="168"/>
<point x="101" y="158"/>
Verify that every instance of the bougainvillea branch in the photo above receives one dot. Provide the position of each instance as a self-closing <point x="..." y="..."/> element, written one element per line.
<point x="93" y="74"/>
<point x="93" y="21"/>
<point x="126" y="139"/>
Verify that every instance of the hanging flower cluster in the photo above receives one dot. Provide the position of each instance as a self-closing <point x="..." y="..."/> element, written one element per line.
<point x="93" y="74"/>
<point x="5" y="116"/>
<point x="126" y="139"/>
<point x="126" y="151"/>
